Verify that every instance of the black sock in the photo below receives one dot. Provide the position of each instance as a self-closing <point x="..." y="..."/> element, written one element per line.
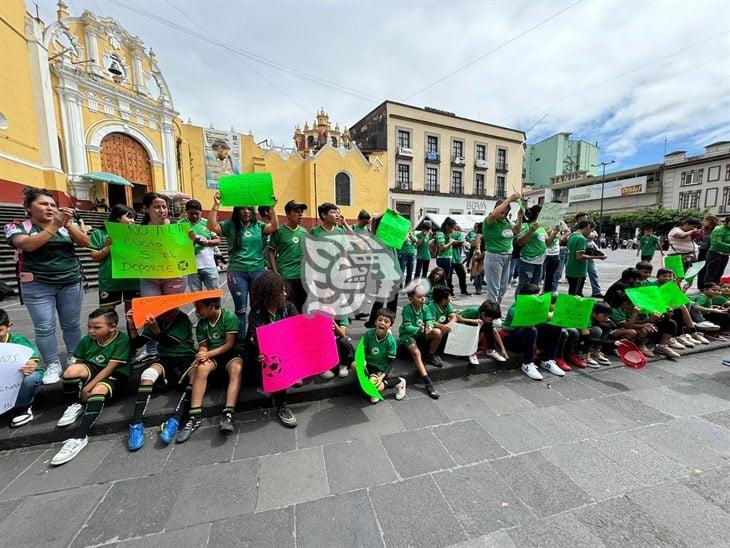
<point x="391" y="382"/>
<point x="72" y="390"/>
<point x="195" y="414"/>
<point x="140" y="406"/>
<point x="93" y="409"/>
<point x="228" y="410"/>
<point x="182" y="404"/>
<point x="427" y="380"/>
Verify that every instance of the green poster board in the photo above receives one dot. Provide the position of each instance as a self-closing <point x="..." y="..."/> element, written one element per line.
<point x="648" y="299"/>
<point x="673" y="296"/>
<point x="572" y="311"/>
<point x="531" y="310"/>
<point x="675" y="264"/>
<point x="393" y="229"/>
<point x="247" y="189"/>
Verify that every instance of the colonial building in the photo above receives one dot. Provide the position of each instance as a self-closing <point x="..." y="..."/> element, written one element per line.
<point x="440" y="163"/>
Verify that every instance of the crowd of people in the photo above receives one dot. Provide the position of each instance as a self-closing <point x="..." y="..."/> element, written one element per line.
<point x="264" y="279"/>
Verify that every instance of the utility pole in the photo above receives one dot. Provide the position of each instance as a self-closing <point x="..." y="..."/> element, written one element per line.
<point x="603" y="183"/>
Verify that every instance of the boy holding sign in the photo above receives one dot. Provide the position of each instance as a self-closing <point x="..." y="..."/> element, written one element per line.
<point x="630" y="325"/>
<point x="417" y="333"/>
<point x="443" y="314"/>
<point x="380" y="351"/>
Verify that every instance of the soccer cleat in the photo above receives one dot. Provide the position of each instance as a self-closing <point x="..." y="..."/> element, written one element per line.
<point x="496" y="356"/>
<point x="562" y="364"/>
<point x="343" y="371"/>
<point x="52" y="374"/>
<point x="285" y="416"/>
<point x="473" y="360"/>
<point x="601" y="358"/>
<point x="550" y="365"/>
<point x="70" y="450"/>
<point x="577" y="361"/>
<point x="700" y="338"/>
<point x="71" y="415"/>
<point x="168" y="429"/>
<point x="191" y="426"/>
<point x="530" y="369"/>
<point x="435" y="360"/>
<point x="24" y="417"/>
<point x="327" y="375"/>
<point x="430" y="389"/>
<point x="674" y="343"/>
<point x="662" y="349"/>
<point x="136" y="436"/>
<point x="400" y="389"/>
<point x="225" y="425"/>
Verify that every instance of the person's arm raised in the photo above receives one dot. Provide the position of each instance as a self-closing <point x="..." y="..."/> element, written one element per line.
<point x="213" y="224"/>
<point x="501" y="208"/>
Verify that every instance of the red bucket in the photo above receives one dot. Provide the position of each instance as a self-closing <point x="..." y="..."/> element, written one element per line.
<point x="630" y="354"/>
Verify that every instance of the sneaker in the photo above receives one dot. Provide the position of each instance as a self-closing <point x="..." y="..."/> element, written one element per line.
<point x="24" y="417"/>
<point x="674" y="343"/>
<point x="52" y="374"/>
<point x="400" y="389"/>
<point x="327" y="375"/>
<point x="136" y="436"/>
<point x="473" y="360"/>
<point x="530" y="369"/>
<point x="285" y="416"/>
<point x="191" y="426"/>
<point x="700" y="338"/>
<point x="496" y="356"/>
<point x="707" y="326"/>
<point x="298" y="384"/>
<point x="590" y="362"/>
<point x="666" y="350"/>
<point x="562" y="364"/>
<point x="225" y="425"/>
<point x="69" y="451"/>
<point x="374" y="400"/>
<point x="168" y="429"/>
<point x="577" y="361"/>
<point x="431" y="390"/>
<point x="601" y="358"/>
<point x="550" y="365"/>
<point x="71" y="415"/>
<point x="687" y="341"/>
<point x="343" y="371"/>
<point x="435" y="360"/>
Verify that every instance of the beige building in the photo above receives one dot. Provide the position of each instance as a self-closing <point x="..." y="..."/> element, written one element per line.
<point x="698" y="181"/>
<point x="440" y="163"/>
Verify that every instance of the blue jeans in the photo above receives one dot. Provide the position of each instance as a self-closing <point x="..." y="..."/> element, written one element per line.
<point x="406" y="266"/>
<point x="239" y="284"/>
<point x="496" y="273"/>
<point x="207" y="277"/>
<point x="27" y="390"/>
<point x="529" y="274"/>
<point x="593" y="277"/>
<point x="155" y="287"/>
<point x="43" y="301"/>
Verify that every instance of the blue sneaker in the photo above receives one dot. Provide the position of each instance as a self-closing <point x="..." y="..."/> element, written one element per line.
<point x="168" y="429"/>
<point x="136" y="436"/>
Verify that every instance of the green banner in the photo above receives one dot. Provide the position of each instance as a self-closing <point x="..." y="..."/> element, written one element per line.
<point x="151" y="251"/>
<point x="247" y="189"/>
<point x="393" y="229"/>
<point x="675" y="264"/>
<point x="531" y="310"/>
<point x="648" y="299"/>
<point x="672" y="295"/>
<point x="572" y="311"/>
<point x="367" y="386"/>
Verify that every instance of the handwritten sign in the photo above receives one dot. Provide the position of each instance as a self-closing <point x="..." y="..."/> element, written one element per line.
<point x="296" y="348"/>
<point x="672" y="296"/>
<point x="154" y="306"/>
<point x="572" y="311"/>
<point x="247" y="189"/>
<point x="365" y="384"/>
<point x="551" y="215"/>
<point x="531" y="310"/>
<point x="151" y="251"/>
<point x="12" y="358"/>
<point x="393" y="229"/>
<point x="463" y="339"/>
<point x="675" y="264"/>
<point x="647" y="298"/>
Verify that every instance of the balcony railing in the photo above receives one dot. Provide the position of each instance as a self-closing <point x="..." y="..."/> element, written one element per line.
<point x="434" y="157"/>
<point x="480" y="164"/>
<point x="404" y="185"/>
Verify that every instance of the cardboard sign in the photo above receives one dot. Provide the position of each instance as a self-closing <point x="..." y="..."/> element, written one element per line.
<point x="531" y="310"/>
<point x="368" y="387"/>
<point x="572" y="311"/>
<point x="247" y="189"/>
<point x="693" y="270"/>
<point x="463" y="339"/>
<point x="154" y="306"/>
<point x="672" y="296"/>
<point x="151" y="251"/>
<point x="675" y="264"/>
<point x="647" y="298"/>
<point x="551" y="215"/>
<point x="296" y="348"/>
<point x="393" y="229"/>
<point x="12" y="358"/>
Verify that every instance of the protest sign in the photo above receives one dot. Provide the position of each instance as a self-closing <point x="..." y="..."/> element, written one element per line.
<point x="151" y="251"/>
<point x="693" y="270"/>
<point x="551" y="215"/>
<point x="675" y="264"/>
<point x="647" y="298"/>
<point x="672" y="295"/>
<point x="247" y="189"/>
<point x="295" y="348"/>
<point x="12" y="358"/>
<point x="531" y="310"/>
<point x="572" y="311"/>
<point x="154" y="306"/>
<point x="463" y="339"/>
<point x="368" y="387"/>
<point x="393" y="229"/>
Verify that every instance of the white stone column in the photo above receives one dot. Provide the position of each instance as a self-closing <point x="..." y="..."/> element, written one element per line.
<point x="73" y="129"/>
<point x="169" y="155"/>
<point x="92" y="49"/>
<point x="140" y="86"/>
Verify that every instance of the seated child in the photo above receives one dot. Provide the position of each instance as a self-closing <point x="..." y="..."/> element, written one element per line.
<point x="489" y="338"/>
<point x="416" y="330"/>
<point x="704" y="303"/>
<point x="436" y="278"/>
<point x="645" y="269"/>
<point x="528" y="339"/>
<point x="216" y="333"/>
<point x="594" y="338"/>
<point x="173" y="333"/>
<point x="380" y="350"/>
<point x="630" y="277"/>
<point x="686" y="334"/>
<point x="345" y="351"/>
<point x="99" y="372"/>
<point x="639" y="328"/>
<point x="443" y="314"/>
<point x="32" y="373"/>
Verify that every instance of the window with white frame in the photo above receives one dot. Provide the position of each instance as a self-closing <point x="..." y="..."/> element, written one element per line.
<point x="432" y="180"/>
<point x="457" y="182"/>
<point x="713" y="173"/>
<point x="404" y="138"/>
<point x="481" y="152"/>
<point x="689" y="200"/>
<point x="693" y="177"/>
<point x="479" y="189"/>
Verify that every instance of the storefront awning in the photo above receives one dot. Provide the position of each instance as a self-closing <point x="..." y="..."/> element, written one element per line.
<point x="105" y="177"/>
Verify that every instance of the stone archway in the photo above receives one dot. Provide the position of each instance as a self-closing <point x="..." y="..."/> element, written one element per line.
<point x="123" y="155"/>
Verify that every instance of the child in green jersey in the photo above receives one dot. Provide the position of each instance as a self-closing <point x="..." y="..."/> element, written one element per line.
<point x="489" y="340"/>
<point x="380" y="351"/>
<point x="443" y="315"/>
<point x="704" y="304"/>
<point x="32" y="373"/>
<point x="100" y="371"/>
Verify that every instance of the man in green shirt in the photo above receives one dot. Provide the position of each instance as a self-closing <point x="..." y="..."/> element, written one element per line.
<point x="498" y="234"/>
<point x="363" y="222"/>
<point x="457" y="262"/>
<point x="286" y="251"/>
<point x="648" y="245"/>
<point x="576" y="265"/>
<point x="406" y="258"/>
<point x="423" y="253"/>
<point x="717" y="256"/>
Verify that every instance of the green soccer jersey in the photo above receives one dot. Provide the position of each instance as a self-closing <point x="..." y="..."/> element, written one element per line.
<point x="408" y="248"/>
<point x="358" y="228"/>
<point x="319" y="230"/>
<point x="343" y="321"/>
<point x="378" y="351"/>
<point x="289" y="246"/>
<point x="199" y="229"/>
<point x="97" y="356"/>
<point x="720" y="239"/>
<point x="647" y="245"/>
<point x="248" y="255"/>
<point x="702" y="300"/>
<point x="470" y="235"/>
<point x="619" y="316"/>
<point x="14" y="338"/>
<point x="535" y="246"/>
<point x="413" y="320"/>
<point x="498" y="236"/>
<point x="574" y="267"/>
<point x="179" y="341"/>
<point x="650" y="281"/>
<point x="106" y="281"/>
<point x="422" y="251"/>
<point x="54" y="262"/>
<point x="213" y="334"/>
<point x="440" y="315"/>
<point x="470" y="313"/>
<point x="458" y="236"/>
<point x="443" y="239"/>
<point x="507" y="322"/>
<point x="719" y="300"/>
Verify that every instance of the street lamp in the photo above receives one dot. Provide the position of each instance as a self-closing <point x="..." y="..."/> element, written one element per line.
<point x="603" y="182"/>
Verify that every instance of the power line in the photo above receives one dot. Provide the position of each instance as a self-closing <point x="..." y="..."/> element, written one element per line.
<point x="248" y="55"/>
<point x="490" y="52"/>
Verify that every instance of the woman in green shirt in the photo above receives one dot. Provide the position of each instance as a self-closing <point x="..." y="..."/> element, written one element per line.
<point x="406" y="257"/>
<point x="445" y="245"/>
<point x="533" y="241"/>
<point x="246" y="247"/>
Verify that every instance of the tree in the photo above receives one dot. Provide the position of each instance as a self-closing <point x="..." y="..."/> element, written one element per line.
<point x="660" y="219"/>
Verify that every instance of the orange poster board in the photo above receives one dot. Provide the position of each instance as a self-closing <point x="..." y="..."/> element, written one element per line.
<point x="154" y="306"/>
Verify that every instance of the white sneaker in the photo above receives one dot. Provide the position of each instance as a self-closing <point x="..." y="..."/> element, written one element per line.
<point x="590" y="362"/>
<point x="551" y="366"/>
<point x="661" y="349"/>
<point x="400" y="389"/>
<point x="707" y="326"/>
<point x="72" y="413"/>
<point x="700" y="338"/>
<point x="686" y="340"/>
<point x="327" y="375"/>
<point x="530" y="369"/>
<point x="53" y="373"/>
<point x="601" y="358"/>
<point x="24" y="417"/>
<point x="496" y="356"/>
<point x="374" y="400"/>
<point x="343" y="371"/>
<point x="473" y="360"/>
<point x="674" y="343"/>
<point x="69" y="451"/>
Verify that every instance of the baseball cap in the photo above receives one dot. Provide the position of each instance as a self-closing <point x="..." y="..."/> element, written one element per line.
<point x="291" y="205"/>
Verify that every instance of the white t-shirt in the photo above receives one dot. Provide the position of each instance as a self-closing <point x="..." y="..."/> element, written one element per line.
<point x="205" y="258"/>
<point x="680" y="245"/>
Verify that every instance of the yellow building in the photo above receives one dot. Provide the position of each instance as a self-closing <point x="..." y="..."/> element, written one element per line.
<point x="82" y="95"/>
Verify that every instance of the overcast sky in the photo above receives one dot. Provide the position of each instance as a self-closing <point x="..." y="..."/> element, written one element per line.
<point x="627" y="75"/>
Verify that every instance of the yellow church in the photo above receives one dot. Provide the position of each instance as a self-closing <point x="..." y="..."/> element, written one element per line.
<point x="82" y="98"/>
